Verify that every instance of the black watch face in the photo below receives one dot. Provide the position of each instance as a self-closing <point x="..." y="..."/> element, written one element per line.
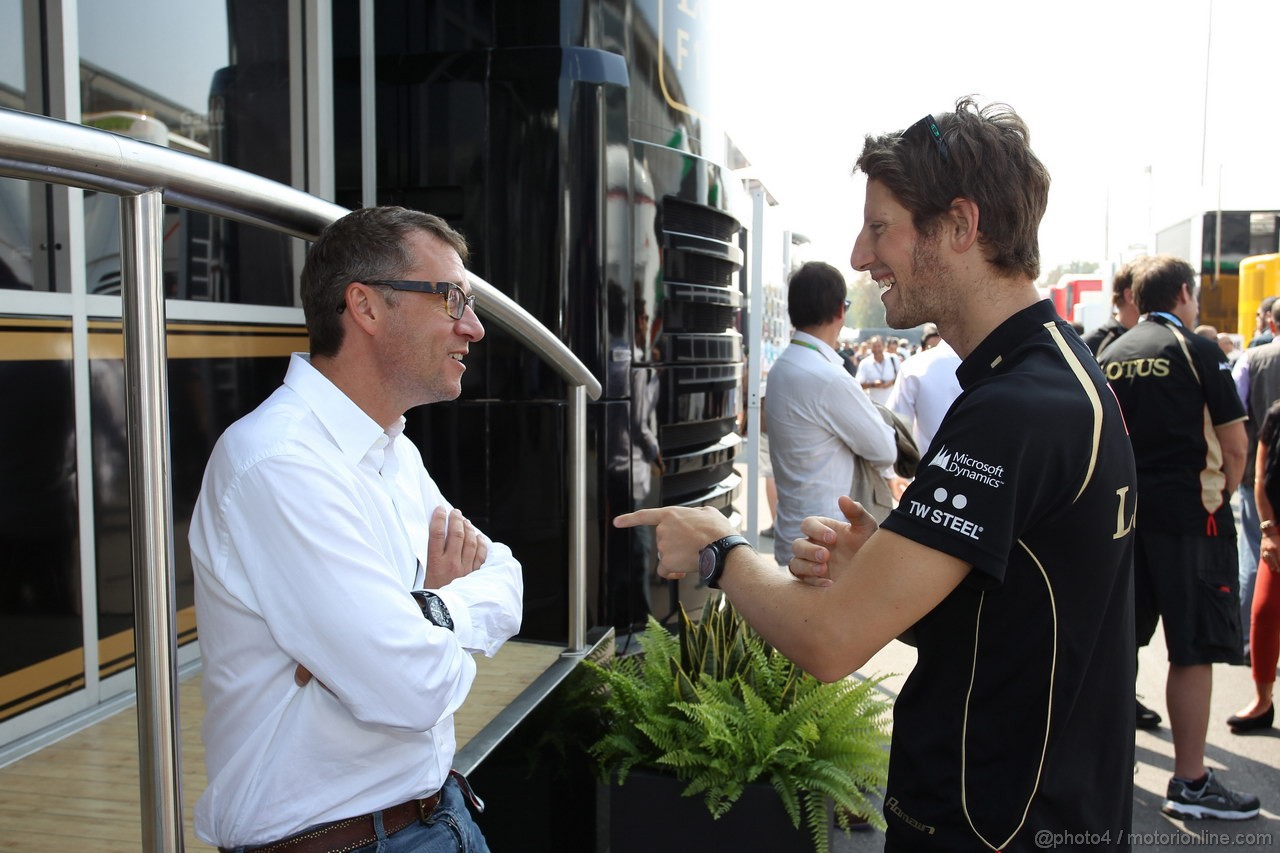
<point x="707" y="562"/>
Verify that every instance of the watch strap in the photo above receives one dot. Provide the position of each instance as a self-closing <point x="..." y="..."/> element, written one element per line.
<point x="721" y="549"/>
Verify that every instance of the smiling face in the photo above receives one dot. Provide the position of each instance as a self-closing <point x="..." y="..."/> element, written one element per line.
<point x="424" y="348"/>
<point x="904" y="262"/>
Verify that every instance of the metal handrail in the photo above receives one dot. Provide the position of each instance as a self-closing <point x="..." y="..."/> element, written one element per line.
<point x="59" y="152"/>
<point x="147" y="176"/>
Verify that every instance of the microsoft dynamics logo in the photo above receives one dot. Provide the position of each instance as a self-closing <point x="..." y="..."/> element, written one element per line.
<point x="964" y="465"/>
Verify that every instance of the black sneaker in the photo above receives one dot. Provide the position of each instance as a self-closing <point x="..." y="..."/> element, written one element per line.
<point x="1147" y="718"/>
<point x="1213" y="800"/>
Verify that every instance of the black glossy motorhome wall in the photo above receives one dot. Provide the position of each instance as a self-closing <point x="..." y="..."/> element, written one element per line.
<point x="540" y="130"/>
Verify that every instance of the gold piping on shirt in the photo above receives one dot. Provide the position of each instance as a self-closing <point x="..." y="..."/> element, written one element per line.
<point x="1048" y="712"/>
<point x="1090" y="391"/>
<point x="1213" y="477"/>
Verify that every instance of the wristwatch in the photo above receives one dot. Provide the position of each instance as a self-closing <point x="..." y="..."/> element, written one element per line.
<point x="433" y="608"/>
<point x="711" y="558"/>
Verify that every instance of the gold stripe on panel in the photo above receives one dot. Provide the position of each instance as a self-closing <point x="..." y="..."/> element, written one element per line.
<point x="41" y="682"/>
<point x="31" y="339"/>
<point x="115" y="653"/>
<point x="24" y="339"/>
<point x="206" y="341"/>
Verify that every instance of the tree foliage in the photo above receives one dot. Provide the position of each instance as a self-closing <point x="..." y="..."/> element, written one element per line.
<point x="865" y="308"/>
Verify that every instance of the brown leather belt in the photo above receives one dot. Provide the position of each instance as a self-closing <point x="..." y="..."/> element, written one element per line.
<point x="351" y="833"/>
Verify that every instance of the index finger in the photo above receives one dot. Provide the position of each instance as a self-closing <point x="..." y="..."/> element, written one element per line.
<point x="436" y="530"/>
<point x="640" y="518"/>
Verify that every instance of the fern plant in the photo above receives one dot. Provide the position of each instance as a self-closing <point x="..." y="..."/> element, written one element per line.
<point x="719" y="708"/>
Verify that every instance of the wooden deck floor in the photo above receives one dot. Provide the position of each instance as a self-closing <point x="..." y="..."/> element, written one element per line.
<point x="82" y="793"/>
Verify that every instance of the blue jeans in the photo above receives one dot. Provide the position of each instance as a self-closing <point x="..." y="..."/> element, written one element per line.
<point x="450" y="829"/>
<point x="1249" y="544"/>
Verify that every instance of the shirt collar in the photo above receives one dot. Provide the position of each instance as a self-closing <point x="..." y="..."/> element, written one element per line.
<point x="1004" y="339"/>
<point x="353" y="431"/>
<point x="824" y="349"/>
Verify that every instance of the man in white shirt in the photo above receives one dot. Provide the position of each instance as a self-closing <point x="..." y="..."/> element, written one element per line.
<point x="925" y="390"/>
<point x="339" y="596"/>
<point x="821" y="425"/>
<point x="876" y="374"/>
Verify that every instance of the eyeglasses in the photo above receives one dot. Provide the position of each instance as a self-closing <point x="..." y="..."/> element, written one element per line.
<point x="931" y="128"/>
<point x="456" y="299"/>
<point x="847" y="303"/>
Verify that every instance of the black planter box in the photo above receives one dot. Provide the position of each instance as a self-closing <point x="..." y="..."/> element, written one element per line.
<point x="648" y="813"/>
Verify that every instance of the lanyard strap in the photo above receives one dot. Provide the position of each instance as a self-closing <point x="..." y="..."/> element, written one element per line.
<point x="888" y="360"/>
<point x="806" y="344"/>
<point x="1171" y="318"/>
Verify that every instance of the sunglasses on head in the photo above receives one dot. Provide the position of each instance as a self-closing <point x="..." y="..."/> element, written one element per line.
<point x="930" y="127"/>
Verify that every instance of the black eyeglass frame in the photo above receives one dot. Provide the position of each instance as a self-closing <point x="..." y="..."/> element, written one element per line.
<point x="440" y="288"/>
<point x="931" y="128"/>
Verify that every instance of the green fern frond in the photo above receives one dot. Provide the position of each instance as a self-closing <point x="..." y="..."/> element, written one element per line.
<point x="719" y="708"/>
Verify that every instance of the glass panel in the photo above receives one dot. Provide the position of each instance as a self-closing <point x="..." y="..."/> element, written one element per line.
<point x="218" y="371"/>
<point x="13" y="83"/>
<point x="40" y="625"/>
<point x="15" y="196"/>
<point x="209" y="79"/>
<point x="147" y="66"/>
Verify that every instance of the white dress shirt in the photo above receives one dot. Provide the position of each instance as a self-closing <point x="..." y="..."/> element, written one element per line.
<point x="925" y="390"/>
<point x="819" y="419"/>
<point x="886" y="370"/>
<point x="309" y="533"/>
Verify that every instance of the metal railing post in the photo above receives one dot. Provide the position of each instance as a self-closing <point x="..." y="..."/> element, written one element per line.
<point x="147" y="408"/>
<point x="577" y="475"/>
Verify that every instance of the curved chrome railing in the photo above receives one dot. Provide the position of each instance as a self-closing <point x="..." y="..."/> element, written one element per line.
<point x="45" y="149"/>
<point x="146" y="177"/>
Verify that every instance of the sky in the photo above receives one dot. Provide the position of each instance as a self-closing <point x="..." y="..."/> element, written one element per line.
<point x="1114" y="94"/>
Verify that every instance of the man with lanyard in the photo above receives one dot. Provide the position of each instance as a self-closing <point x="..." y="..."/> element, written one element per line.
<point x="823" y="431"/>
<point x="1009" y="554"/>
<point x="1186" y="423"/>
<point x="340" y="597"/>
<point x="877" y="373"/>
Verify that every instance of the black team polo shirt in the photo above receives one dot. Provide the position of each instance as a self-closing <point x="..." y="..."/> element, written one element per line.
<point x="1176" y="387"/>
<point x="1017" y="720"/>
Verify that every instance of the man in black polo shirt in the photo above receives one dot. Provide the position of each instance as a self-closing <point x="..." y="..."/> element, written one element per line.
<point x="1123" y="318"/>
<point x="1008" y="556"/>
<point x="1186" y="423"/>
